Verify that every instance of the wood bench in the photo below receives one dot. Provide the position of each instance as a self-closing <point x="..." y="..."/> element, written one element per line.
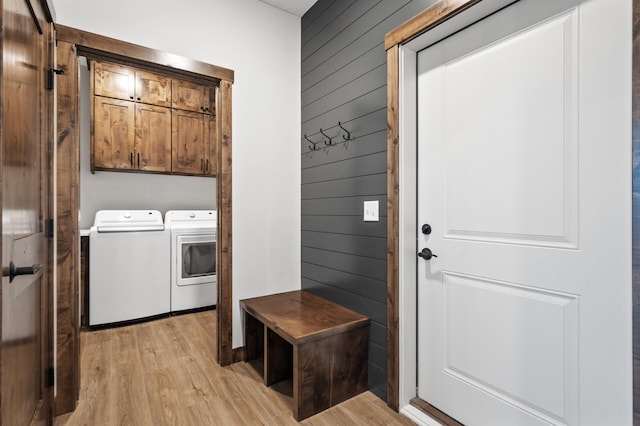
<point x="322" y="345"/>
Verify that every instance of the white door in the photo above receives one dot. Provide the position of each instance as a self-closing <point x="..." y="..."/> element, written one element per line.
<point x="524" y="175"/>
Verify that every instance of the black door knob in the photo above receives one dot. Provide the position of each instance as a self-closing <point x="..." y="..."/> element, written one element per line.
<point x="13" y="271"/>
<point x="426" y="229"/>
<point x="426" y="254"/>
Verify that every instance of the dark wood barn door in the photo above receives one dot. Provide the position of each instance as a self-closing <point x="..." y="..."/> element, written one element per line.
<point x="24" y="354"/>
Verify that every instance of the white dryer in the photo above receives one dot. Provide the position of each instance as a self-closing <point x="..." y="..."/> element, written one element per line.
<point x="128" y="266"/>
<point x="193" y="258"/>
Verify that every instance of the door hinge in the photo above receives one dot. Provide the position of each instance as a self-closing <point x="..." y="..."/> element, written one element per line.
<point x="50" y="80"/>
<point x="50" y="377"/>
<point x="49" y="228"/>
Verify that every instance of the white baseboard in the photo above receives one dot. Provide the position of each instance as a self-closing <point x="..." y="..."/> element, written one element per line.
<point x="418" y="416"/>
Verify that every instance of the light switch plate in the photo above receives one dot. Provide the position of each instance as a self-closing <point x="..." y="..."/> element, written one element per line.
<point x="371" y="211"/>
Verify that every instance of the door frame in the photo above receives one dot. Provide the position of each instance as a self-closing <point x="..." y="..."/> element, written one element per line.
<point x="71" y="43"/>
<point x="402" y="45"/>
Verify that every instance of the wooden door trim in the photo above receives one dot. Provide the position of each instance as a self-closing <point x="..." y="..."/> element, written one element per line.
<point x="83" y="42"/>
<point x="224" y="238"/>
<point x="431" y="17"/>
<point x="427" y="19"/>
<point x="411" y="29"/>
<point x="393" y="227"/>
<point x="111" y="47"/>
<point x="67" y="199"/>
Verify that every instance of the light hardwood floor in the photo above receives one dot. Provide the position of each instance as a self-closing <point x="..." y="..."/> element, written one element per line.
<point x="164" y="372"/>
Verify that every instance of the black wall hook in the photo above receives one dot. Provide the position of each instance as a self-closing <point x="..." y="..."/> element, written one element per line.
<point x="329" y="142"/>
<point x="312" y="147"/>
<point x="348" y="136"/>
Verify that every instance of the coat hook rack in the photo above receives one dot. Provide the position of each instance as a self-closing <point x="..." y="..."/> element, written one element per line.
<point x="329" y="142"/>
<point x="348" y="135"/>
<point x="312" y="147"/>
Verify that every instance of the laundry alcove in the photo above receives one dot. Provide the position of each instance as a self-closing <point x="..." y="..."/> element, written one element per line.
<point x="71" y="44"/>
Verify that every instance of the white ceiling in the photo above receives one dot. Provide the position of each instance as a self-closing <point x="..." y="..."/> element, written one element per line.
<point x="295" y="7"/>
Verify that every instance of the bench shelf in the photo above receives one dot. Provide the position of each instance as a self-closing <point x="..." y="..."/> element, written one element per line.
<point x="320" y="344"/>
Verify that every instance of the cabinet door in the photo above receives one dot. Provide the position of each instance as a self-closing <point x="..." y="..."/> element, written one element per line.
<point x="188" y="96"/>
<point x="209" y="100"/>
<point x="114" y="81"/>
<point x="153" y="89"/>
<point x="113" y="133"/>
<point x="188" y="142"/>
<point x="153" y="138"/>
<point x="211" y="139"/>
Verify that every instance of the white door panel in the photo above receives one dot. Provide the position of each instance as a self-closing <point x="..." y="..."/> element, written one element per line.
<point x="524" y="165"/>
<point x="529" y="126"/>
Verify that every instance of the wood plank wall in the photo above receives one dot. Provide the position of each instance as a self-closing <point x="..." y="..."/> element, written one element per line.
<point x="344" y="80"/>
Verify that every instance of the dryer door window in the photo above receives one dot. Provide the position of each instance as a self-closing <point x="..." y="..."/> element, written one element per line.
<point x="198" y="259"/>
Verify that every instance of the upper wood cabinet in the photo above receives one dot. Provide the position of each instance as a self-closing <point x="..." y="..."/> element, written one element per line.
<point x="144" y="121"/>
<point x="131" y="136"/>
<point x="113" y="81"/>
<point x="117" y="81"/>
<point x="152" y="88"/>
<point x="194" y="143"/>
<point x="193" y="97"/>
<point x="153" y="138"/>
<point x="187" y="142"/>
<point x="113" y="134"/>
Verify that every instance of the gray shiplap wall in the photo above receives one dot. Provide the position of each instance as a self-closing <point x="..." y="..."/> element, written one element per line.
<point x="344" y="80"/>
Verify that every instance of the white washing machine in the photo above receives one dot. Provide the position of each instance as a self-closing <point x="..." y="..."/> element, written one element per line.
<point x="193" y="258"/>
<point x="129" y="266"/>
